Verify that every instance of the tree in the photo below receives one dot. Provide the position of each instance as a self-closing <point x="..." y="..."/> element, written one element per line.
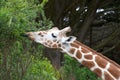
<point x="20" y="58"/>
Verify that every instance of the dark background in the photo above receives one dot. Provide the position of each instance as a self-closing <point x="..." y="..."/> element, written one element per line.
<point x="95" y="23"/>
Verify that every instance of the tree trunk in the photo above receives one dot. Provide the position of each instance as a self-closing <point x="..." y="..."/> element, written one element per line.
<point x="88" y="19"/>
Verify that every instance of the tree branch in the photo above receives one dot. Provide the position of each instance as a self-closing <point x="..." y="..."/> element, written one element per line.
<point x="107" y="40"/>
<point x="89" y="19"/>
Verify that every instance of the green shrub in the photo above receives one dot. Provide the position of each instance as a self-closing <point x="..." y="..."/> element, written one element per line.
<point x="41" y="70"/>
<point x="18" y="16"/>
<point x="72" y="70"/>
<point x="16" y="52"/>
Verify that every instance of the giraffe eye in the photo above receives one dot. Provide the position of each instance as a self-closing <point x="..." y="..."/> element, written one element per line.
<point x="54" y="35"/>
<point x="69" y="39"/>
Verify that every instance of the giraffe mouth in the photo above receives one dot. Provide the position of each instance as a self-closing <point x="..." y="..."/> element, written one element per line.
<point x="24" y="35"/>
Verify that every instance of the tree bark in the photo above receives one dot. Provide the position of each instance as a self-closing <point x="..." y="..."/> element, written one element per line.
<point x="88" y="19"/>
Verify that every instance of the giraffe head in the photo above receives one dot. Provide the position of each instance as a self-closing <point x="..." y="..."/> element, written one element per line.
<point x="52" y="38"/>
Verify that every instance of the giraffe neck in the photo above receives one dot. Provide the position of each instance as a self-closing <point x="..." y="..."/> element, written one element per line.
<point x="105" y="68"/>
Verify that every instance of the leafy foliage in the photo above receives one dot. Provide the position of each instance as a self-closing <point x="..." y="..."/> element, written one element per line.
<point x="18" y="16"/>
<point x="18" y="54"/>
<point x="73" y="71"/>
<point x="41" y="70"/>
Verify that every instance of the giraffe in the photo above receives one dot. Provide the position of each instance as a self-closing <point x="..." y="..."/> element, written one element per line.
<point x="105" y="68"/>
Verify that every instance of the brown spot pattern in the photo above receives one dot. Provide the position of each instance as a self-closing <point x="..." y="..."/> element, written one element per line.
<point x="72" y="50"/>
<point x="98" y="72"/>
<point x="85" y="50"/>
<point x="49" y="42"/>
<point x="114" y="71"/>
<point x="88" y="64"/>
<point x="90" y="57"/>
<point x="59" y="45"/>
<point x="94" y="52"/>
<point x="107" y="76"/>
<point x="101" y="61"/>
<point x="78" y="54"/>
<point x="54" y="45"/>
<point x="39" y="33"/>
<point x="75" y="45"/>
<point x="45" y="43"/>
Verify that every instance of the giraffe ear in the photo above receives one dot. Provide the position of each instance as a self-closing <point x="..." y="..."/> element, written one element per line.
<point x="69" y="39"/>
